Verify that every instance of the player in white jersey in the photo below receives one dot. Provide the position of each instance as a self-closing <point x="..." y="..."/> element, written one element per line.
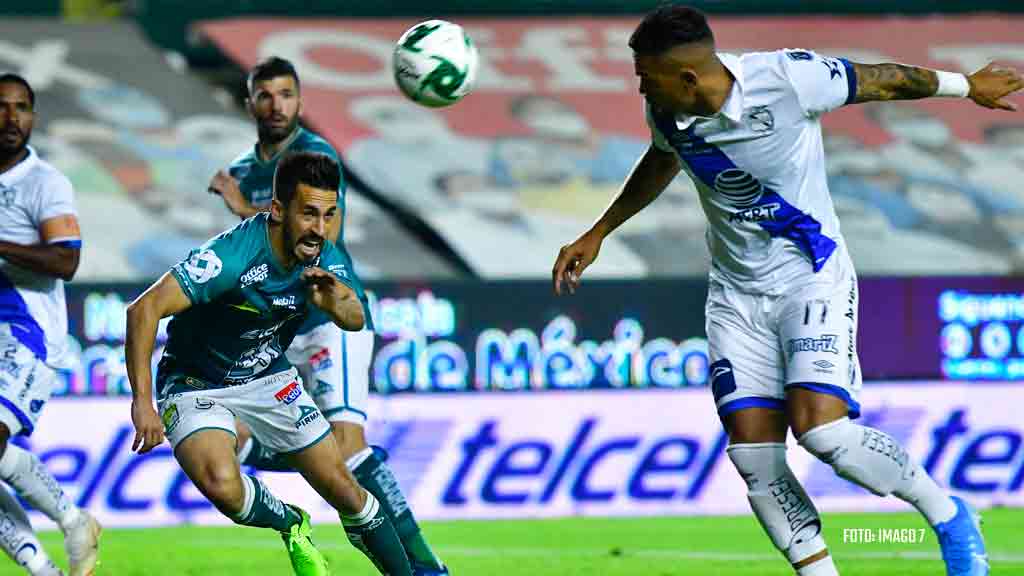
<point x="782" y="303"/>
<point x="39" y="249"/>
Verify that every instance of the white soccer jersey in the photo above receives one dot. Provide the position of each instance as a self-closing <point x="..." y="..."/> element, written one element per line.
<point x="759" y="167"/>
<point x="33" y="304"/>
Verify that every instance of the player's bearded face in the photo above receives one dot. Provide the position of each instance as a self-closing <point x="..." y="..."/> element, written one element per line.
<point x="306" y="221"/>
<point x="16" y="119"/>
<point x="275" y="104"/>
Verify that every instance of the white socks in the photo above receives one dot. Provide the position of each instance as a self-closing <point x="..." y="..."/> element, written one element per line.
<point x="778" y="500"/>
<point x="874" y="460"/>
<point x="24" y="472"/>
<point x="18" y="539"/>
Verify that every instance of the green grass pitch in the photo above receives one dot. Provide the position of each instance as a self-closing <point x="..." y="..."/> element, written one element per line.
<point x="718" y="546"/>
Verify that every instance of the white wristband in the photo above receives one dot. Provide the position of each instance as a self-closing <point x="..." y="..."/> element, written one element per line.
<point x="952" y="84"/>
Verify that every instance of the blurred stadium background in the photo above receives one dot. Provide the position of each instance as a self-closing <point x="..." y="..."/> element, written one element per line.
<point x="497" y="401"/>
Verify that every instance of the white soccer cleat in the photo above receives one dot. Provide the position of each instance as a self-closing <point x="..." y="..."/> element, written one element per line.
<point x="82" y="542"/>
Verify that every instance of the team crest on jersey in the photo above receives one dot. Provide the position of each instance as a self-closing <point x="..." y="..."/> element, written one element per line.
<point x="760" y="119"/>
<point x="203" y="266"/>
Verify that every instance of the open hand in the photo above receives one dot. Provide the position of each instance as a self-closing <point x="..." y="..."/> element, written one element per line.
<point x="991" y="84"/>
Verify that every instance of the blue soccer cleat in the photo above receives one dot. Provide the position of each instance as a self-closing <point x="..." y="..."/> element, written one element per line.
<point x="423" y="571"/>
<point x="963" y="548"/>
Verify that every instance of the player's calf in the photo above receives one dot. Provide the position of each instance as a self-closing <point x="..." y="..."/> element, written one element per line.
<point x="782" y="506"/>
<point x="877" y="462"/>
<point x="370" y="469"/>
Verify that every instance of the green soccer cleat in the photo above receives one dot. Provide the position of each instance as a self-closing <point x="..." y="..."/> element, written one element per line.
<point x="306" y="559"/>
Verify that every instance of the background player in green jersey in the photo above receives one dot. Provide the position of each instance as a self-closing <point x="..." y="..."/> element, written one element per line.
<point x="237" y="302"/>
<point x="334" y="365"/>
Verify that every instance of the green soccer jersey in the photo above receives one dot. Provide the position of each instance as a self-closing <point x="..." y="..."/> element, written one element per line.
<point x="246" y="309"/>
<point x="256" y="181"/>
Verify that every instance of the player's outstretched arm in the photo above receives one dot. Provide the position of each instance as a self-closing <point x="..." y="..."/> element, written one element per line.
<point x="645" y="182"/>
<point x="162" y="299"/>
<point x="332" y="296"/>
<point x="987" y="87"/>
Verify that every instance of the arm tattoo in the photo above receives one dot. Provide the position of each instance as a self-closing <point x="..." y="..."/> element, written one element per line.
<point x="894" y="82"/>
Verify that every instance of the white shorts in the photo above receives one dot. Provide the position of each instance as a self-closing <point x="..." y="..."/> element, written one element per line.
<point x="276" y="409"/>
<point x="761" y="345"/>
<point x="335" y="369"/>
<point x="25" y="384"/>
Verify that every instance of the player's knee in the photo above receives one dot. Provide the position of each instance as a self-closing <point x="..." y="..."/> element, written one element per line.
<point x="755" y="462"/>
<point x="838" y="445"/>
<point x="223" y="487"/>
<point x="350" y="437"/>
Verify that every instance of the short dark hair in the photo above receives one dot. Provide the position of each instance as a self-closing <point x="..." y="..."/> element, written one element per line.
<point x="310" y="168"/>
<point x="271" y="68"/>
<point x="668" y="27"/>
<point x="12" y="78"/>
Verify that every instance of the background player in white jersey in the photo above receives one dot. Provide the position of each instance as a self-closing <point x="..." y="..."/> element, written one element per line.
<point x="782" y="301"/>
<point x="39" y="250"/>
<point x="334" y="365"/>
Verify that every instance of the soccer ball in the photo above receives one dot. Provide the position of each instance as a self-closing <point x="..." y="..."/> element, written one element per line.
<point x="435" y="63"/>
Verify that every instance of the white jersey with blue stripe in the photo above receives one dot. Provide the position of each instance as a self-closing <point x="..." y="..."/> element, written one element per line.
<point x="32" y="304"/>
<point x="759" y="167"/>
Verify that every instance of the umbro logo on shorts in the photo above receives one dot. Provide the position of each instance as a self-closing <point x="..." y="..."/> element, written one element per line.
<point x="289" y="393"/>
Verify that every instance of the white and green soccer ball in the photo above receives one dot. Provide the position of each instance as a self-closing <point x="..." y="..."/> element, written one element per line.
<point x="435" y="63"/>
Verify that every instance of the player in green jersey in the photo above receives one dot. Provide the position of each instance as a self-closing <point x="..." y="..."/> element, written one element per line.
<point x="334" y="365"/>
<point x="236" y="303"/>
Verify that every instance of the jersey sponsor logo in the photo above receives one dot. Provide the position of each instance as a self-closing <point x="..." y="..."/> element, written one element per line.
<point x="288" y="394"/>
<point x="254" y="275"/>
<point x="307" y="415"/>
<point x="204" y="403"/>
<point x="826" y="343"/>
<point x="203" y="266"/>
<point x="321" y="360"/>
<point x="798" y="55"/>
<point x="739" y="187"/>
<point x="339" y="270"/>
<point x="763" y="213"/>
<point x="284" y="301"/>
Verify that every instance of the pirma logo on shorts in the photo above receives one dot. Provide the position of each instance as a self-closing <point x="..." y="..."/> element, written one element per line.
<point x="307" y="414"/>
